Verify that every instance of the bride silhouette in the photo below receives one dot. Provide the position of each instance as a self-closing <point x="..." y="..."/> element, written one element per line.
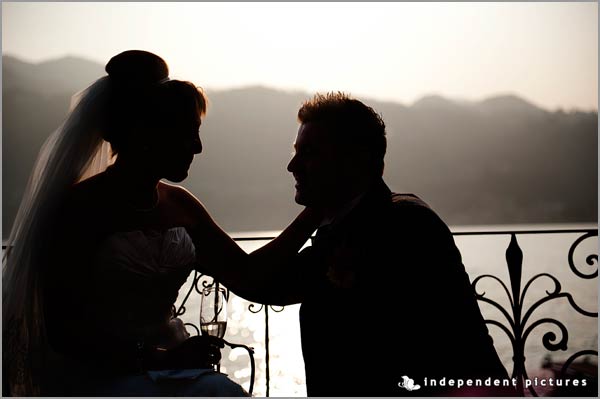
<point x="99" y="249"/>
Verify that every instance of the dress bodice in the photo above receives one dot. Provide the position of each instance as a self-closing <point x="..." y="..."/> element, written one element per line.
<point x="147" y="253"/>
<point x="136" y="276"/>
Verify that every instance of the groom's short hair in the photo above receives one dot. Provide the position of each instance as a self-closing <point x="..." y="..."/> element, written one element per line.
<point x="350" y="120"/>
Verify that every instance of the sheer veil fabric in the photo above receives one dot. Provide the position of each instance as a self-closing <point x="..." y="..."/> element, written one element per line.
<point x="74" y="152"/>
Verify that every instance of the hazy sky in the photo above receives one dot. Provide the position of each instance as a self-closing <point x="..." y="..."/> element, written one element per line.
<point x="544" y="52"/>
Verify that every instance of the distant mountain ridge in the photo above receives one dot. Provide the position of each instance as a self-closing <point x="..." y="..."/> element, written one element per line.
<point x="57" y="76"/>
<point x="500" y="160"/>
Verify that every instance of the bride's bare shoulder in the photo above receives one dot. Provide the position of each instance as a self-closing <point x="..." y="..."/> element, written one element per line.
<point x="182" y="198"/>
<point x="187" y="210"/>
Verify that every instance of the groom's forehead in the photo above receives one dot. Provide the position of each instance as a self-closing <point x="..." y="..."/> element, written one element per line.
<point x="314" y="134"/>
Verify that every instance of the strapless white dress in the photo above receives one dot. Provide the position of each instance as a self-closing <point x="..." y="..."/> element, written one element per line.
<point x="135" y="278"/>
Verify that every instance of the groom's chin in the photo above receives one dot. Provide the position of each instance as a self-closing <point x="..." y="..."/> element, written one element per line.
<point x="298" y="198"/>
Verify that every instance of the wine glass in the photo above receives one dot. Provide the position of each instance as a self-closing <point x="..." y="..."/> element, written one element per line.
<point x="213" y="311"/>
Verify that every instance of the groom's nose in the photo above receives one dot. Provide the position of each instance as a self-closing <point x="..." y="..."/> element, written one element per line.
<point x="292" y="166"/>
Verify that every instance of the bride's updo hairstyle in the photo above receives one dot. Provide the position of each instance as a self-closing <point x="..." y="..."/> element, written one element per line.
<point x="143" y="101"/>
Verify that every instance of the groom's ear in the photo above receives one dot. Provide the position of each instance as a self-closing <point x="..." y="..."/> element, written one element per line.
<point x="362" y="157"/>
<point x="370" y="159"/>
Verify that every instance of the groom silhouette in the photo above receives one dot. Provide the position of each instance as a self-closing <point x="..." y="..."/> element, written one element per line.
<point x="383" y="290"/>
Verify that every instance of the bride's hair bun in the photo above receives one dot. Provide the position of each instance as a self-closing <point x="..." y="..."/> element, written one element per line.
<point x="137" y="67"/>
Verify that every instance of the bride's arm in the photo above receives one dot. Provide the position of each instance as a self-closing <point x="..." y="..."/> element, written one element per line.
<point x="271" y="274"/>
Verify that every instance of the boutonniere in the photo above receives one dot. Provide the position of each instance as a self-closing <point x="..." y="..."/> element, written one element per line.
<point x="343" y="267"/>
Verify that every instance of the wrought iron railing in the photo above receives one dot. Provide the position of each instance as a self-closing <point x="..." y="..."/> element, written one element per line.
<point x="518" y="316"/>
<point x="180" y="310"/>
<point x="516" y="320"/>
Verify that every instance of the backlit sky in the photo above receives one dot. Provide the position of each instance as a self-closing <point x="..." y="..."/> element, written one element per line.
<point x="544" y="52"/>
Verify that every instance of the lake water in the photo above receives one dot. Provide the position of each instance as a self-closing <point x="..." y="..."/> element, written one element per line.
<point x="542" y="253"/>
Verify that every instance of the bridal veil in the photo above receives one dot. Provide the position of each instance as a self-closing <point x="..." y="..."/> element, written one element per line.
<point x="75" y="151"/>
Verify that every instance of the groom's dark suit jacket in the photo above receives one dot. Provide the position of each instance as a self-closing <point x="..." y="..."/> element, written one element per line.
<point x="387" y="296"/>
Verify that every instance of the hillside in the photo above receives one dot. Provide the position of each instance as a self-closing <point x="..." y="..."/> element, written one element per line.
<point x="501" y="160"/>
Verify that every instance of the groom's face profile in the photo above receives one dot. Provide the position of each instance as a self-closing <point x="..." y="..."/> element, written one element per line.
<point x="320" y="167"/>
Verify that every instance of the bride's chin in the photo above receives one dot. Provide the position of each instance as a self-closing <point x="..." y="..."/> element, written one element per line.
<point x="177" y="178"/>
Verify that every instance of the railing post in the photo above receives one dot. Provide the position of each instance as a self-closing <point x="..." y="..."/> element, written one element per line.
<point x="514" y="261"/>
<point x="267" y="371"/>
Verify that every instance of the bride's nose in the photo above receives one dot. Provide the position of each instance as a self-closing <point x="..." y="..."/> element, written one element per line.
<point x="197" y="146"/>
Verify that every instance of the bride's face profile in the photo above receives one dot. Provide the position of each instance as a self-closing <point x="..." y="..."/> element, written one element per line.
<point x="158" y="135"/>
<point x="177" y="138"/>
<point x="175" y="147"/>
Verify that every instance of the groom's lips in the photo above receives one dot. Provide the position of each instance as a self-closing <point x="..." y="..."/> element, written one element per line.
<point x="300" y="182"/>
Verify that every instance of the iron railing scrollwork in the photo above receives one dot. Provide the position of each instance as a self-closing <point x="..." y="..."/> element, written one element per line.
<point x="195" y="286"/>
<point x="518" y="329"/>
<point x="253" y="308"/>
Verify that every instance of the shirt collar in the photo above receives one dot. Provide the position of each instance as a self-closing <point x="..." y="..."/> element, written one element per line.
<point x="343" y="211"/>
